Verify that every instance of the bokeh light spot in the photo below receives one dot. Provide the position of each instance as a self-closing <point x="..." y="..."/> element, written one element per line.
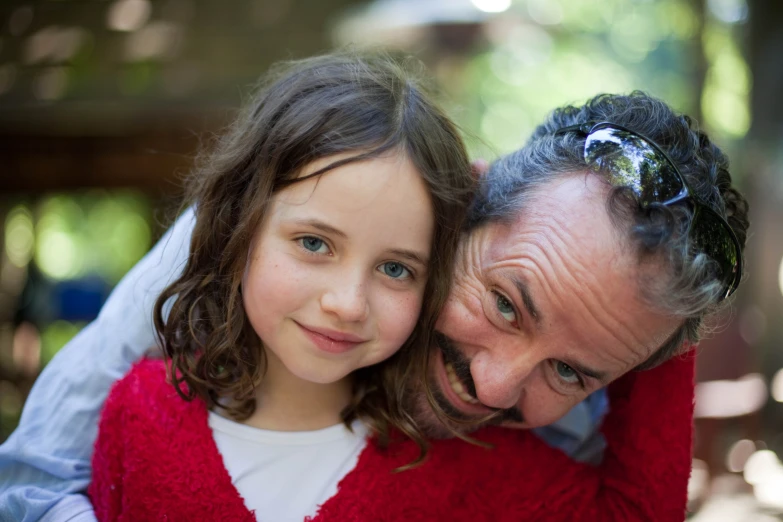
<point x="777" y="386"/>
<point x="725" y="398"/>
<point x="725" y="111"/>
<point x="760" y="465"/>
<point x="51" y="83"/>
<point x="19" y="236"/>
<point x="545" y="12"/>
<point x="58" y="252"/>
<point x="492" y="6"/>
<point x="158" y="40"/>
<point x="738" y="455"/>
<point x="780" y="276"/>
<point x="128" y="15"/>
<point x="728" y="11"/>
<point x="26" y="349"/>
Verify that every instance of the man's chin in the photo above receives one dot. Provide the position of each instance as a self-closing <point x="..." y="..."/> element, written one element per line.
<point x="434" y="428"/>
<point x="431" y="424"/>
<point x="517" y="425"/>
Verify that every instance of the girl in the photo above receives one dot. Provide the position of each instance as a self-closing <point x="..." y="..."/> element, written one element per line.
<point x="326" y="223"/>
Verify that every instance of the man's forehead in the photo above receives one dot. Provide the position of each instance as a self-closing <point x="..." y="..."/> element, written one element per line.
<point x="577" y="192"/>
<point x="571" y="211"/>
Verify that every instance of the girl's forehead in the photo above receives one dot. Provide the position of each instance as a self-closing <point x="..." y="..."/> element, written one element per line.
<point x="387" y="180"/>
<point x="383" y="196"/>
<point x="325" y="161"/>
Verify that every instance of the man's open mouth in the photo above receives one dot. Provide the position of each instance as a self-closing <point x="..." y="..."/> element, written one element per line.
<point x="457" y="370"/>
<point x="462" y="388"/>
<point x="456" y="385"/>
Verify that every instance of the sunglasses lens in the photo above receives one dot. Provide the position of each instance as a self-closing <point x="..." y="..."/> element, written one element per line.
<point x="630" y="161"/>
<point x="713" y="236"/>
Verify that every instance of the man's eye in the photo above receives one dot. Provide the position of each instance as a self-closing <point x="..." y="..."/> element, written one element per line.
<point x="314" y="244"/>
<point x="506" y="309"/>
<point x="566" y="374"/>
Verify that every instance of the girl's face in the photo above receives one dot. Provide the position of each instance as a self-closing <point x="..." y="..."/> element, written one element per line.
<point x="337" y="270"/>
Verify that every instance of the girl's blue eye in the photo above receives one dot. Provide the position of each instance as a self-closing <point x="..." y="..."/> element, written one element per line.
<point x="506" y="309"/>
<point x="566" y="373"/>
<point x="314" y="244"/>
<point x="395" y="270"/>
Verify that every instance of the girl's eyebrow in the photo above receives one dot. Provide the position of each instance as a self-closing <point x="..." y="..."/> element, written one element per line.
<point x="320" y="225"/>
<point x="411" y="255"/>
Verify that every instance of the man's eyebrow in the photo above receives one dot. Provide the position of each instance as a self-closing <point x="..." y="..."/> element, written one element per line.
<point x="320" y="225"/>
<point x="594" y="374"/>
<point x="527" y="300"/>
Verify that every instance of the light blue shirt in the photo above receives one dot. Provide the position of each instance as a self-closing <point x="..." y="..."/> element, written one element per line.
<point x="45" y="463"/>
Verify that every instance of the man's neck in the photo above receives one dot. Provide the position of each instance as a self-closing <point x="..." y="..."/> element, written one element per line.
<point x="284" y="402"/>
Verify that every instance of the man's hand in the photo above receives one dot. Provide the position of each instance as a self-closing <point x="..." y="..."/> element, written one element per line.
<point x="479" y="167"/>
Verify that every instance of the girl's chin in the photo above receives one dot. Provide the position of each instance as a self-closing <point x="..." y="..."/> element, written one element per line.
<point x="322" y="377"/>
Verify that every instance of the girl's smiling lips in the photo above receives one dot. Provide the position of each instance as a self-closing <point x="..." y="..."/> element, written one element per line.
<point x="331" y="341"/>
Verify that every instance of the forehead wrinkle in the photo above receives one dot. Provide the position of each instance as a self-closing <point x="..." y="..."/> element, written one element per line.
<point x="469" y="278"/>
<point x="600" y="309"/>
<point x="469" y="256"/>
<point x="571" y="284"/>
<point x="549" y="241"/>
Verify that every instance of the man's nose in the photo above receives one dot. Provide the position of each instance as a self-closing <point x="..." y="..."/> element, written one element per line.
<point x="346" y="298"/>
<point x="500" y="381"/>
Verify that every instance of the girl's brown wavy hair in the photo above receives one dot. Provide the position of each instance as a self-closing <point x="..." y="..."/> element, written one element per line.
<point x="367" y="104"/>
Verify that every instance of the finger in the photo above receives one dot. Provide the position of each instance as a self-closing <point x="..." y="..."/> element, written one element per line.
<point x="479" y="167"/>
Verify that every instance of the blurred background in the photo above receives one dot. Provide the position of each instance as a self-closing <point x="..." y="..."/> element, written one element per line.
<point x="103" y="104"/>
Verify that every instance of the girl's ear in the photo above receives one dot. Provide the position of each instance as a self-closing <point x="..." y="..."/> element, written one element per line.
<point x="478" y="168"/>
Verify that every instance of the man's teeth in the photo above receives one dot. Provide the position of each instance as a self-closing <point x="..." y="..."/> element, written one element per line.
<point x="457" y="386"/>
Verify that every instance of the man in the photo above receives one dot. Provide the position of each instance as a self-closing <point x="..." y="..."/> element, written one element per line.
<point x="590" y="252"/>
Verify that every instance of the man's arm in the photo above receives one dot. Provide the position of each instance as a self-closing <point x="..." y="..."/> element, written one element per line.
<point x="45" y="464"/>
<point x="645" y="470"/>
<point x="649" y="436"/>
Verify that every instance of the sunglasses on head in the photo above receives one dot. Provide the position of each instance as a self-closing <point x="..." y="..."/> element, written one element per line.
<point x="631" y="160"/>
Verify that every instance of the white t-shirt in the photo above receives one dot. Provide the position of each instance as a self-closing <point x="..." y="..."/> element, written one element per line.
<point x="285" y="475"/>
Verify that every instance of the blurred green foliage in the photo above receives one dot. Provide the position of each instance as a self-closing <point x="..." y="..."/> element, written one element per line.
<point x="562" y="52"/>
<point x="92" y="233"/>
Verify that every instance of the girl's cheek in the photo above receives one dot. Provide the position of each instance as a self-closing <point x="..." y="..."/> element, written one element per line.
<point x="404" y="313"/>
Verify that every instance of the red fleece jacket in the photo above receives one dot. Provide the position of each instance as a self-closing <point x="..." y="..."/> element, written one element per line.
<point x="155" y="459"/>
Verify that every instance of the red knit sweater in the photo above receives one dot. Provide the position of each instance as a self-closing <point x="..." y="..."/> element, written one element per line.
<point x="155" y="459"/>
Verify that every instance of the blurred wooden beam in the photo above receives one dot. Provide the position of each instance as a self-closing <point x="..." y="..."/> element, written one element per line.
<point x="695" y="52"/>
<point x="152" y="162"/>
<point x="764" y="49"/>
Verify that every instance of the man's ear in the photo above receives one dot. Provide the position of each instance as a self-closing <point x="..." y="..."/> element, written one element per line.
<point x="478" y="168"/>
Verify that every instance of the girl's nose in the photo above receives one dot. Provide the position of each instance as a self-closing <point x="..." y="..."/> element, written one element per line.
<point x="347" y="300"/>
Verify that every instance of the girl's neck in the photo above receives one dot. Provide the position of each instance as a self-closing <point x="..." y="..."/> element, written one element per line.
<point x="284" y="402"/>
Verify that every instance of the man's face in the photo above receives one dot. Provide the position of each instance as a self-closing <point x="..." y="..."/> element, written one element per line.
<point x="543" y="311"/>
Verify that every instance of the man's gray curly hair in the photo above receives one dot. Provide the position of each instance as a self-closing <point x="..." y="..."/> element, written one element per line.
<point x="692" y="291"/>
